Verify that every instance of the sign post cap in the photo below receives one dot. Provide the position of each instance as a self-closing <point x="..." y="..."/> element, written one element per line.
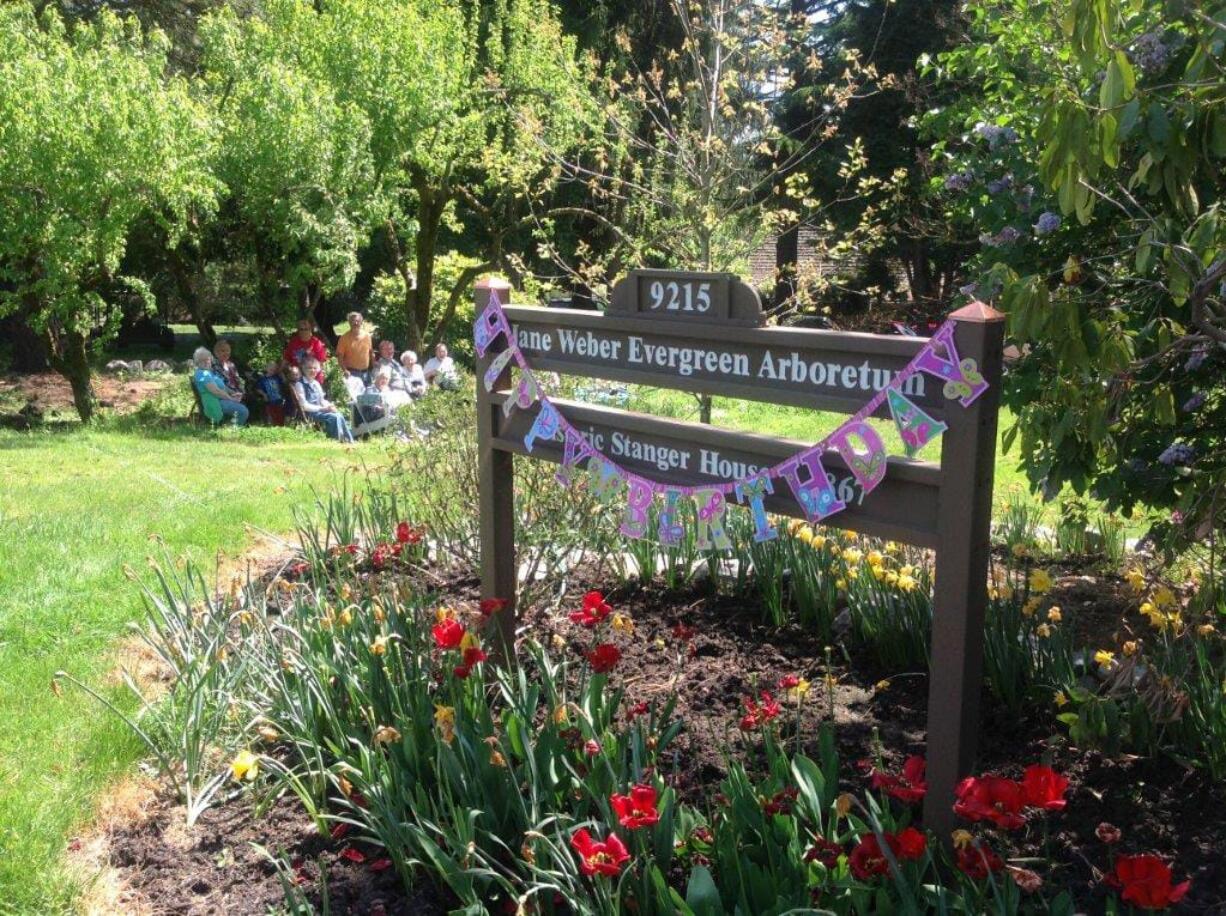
<point x="977" y="311"/>
<point x="493" y="282"/>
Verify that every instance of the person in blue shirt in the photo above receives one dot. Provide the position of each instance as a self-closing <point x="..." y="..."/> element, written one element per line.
<point x="217" y="401"/>
<point x="319" y="409"/>
<point x="269" y="387"/>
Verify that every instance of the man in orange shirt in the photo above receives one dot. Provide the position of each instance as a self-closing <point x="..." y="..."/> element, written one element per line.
<point x="353" y="350"/>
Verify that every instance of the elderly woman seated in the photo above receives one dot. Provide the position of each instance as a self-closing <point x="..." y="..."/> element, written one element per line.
<point x="217" y="401"/>
<point x="415" y="378"/>
<point x="315" y="406"/>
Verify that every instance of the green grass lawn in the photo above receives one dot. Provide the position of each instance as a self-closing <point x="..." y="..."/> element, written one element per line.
<point x="75" y="506"/>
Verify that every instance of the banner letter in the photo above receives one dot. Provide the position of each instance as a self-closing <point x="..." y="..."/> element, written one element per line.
<point x="638" y="501"/>
<point x="669" y="528"/>
<point x="867" y="466"/>
<point x="816" y="494"/>
<point x="754" y="489"/>
<point x="545" y="426"/>
<point x="915" y="428"/>
<point x="496" y="367"/>
<point x="961" y="377"/>
<point x="711" y="508"/>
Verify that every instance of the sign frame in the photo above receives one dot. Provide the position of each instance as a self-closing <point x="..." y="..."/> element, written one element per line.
<point x="944" y="506"/>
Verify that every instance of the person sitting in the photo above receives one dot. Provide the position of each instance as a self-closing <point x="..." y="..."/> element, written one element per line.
<point x="387" y="360"/>
<point x="217" y="401"/>
<point x="317" y="408"/>
<point x="415" y="379"/>
<point x="304" y="343"/>
<point x="381" y="385"/>
<point x="441" y="371"/>
<point x="273" y="395"/>
<point x="223" y="366"/>
<point x="353" y="350"/>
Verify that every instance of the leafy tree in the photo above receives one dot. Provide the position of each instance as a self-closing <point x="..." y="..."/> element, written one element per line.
<point x="1090" y="160"/>
<point x="296" y="163"/>
<point x="93" y="136"/>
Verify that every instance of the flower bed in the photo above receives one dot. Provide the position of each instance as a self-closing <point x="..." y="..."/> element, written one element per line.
<point x="657" y="750"/>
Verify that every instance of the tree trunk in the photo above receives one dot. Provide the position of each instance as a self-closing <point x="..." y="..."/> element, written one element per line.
<point x="458" y="292"/>
<point x="29" y="349"/>
<point x="186" y="290"/>
<point x="787" y="256"/>
<point x="430" y="205"/>
<point x="70" y="358"/>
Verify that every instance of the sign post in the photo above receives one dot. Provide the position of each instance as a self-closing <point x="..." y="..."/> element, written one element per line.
<point x="704" y="333"/>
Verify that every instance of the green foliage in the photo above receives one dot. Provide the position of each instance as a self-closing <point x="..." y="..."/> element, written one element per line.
<point x="94" y="137"/>
<point x="1119" y="308"/>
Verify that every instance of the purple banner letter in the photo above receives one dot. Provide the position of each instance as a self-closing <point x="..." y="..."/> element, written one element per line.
<point x="816" y="493"/>
<point x="961" y="377"/>
<point x="755" y="489"/>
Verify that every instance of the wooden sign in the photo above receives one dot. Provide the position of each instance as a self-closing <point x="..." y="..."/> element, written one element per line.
<point x="703" y="332"/>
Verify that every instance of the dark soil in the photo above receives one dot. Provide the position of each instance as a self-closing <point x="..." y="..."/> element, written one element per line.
<point x="214" y="869"/>
<point x="713" y="652"/>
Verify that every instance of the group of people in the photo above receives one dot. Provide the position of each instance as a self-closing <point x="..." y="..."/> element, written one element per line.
<point x="377" y="381"/>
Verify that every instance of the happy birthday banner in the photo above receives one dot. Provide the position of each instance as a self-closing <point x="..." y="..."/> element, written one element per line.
<point x="858" y="443"/>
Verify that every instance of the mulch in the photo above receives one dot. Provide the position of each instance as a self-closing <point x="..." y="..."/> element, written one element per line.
<point x="713" y="652"/>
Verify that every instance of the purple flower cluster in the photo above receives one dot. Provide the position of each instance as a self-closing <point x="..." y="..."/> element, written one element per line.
<point x="1150" y="52"/>
<point x="995" y="135"/>
<point x="1177" y="453"/>
<point x="1006" y="236"/>
<point x="959" y="181"/>
<point x="1003" y="183"/>
<point x="1194" y="403"/>
<point x="1196" y="359"/>
<point x="1048" y="223"/>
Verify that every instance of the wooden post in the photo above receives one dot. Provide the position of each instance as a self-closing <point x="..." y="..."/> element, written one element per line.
<point x="964" y="518"/>
<point x="496" y="477"/>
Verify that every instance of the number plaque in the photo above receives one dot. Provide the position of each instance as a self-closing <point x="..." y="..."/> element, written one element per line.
<point x="694" y="297"/>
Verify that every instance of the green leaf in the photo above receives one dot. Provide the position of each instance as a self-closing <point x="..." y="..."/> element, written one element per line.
<point x="701" y="894"/>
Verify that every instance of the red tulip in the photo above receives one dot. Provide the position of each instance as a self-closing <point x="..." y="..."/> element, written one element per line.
<point x="353" y="855"/>
<point x="977" y="862"/>
<point x="380" y="865"/>
<point x="594" y="610"/>
<point x="867" y="860"/>
<point x="638" y="809"/>
<point x="757" y="715"/>
<point x="448" y="634"/>
<point x="473" y="656"/>
<point x="908" y="786"/>
<point x="596" y="858"/>
<point x="491" y="606"/>
<point x="1044" y="788"/>
<point x="638" y="709"/>
<point x="780" y="802"/>
<point x="788" y="681"/>
<point x="407" y="534"/>
<point x="1145" y="881"/>
<point x="991" y="798"/>
<point x="684" y="633"/>
<point x="604" y="658"/>
<point x="825" y="851"/>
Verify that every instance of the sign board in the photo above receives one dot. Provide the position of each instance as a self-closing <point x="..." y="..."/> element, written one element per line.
<point x="704" y="333"/>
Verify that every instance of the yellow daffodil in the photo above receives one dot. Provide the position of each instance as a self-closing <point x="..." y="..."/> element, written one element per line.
<point x="882" y="685"/>
<point x="1164" y="598"/>
<point x="906" y="569"/>
<point x="444" y="721"/>
<point x="849" y="535"/>
<point x="379" y="646"/>
<point x="469" y="641"/>
<point x="1019" y="550"/>
<point x="378" y="613"/>
<point x="443" y="614"/>
<point x="268" y="734"/>
<point x="1104" y="659"/>
<point x="891" y="577"/>
<point x="875" y="558"/>
<point x="1031" y="605"/>
<point x="622" y="623"/>
<point x="557" y="643"/>
<point x="346" y="592"/>
<point x="497" y="760"/>
<point x="386" y="734"/>
<point x="840" y="584"/>
<point x="962" y="839"/>
<point x="245" y="766"/>
<point x="818" y="542"/>
<point x="1206" y="629"/>
<point x="345" y="785"/>
<point x="797" y="693"/>
<point x="852" y="556"/>
<point x="805" y="535"/>
<point x="878" y="572"/>
<point x="1129" y="648"/>
<point x="1054" y="615"/>
<point x="907" y="583"/>
<point x="345" y="617"/>
<point x="1040" y="581"/>
<point x="1061" y="699"/>
<point x="1043" y="631"/>
<point x="560" y="716"/>
<point x="1136" y="579"/>
<point x="892" y="547"/>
